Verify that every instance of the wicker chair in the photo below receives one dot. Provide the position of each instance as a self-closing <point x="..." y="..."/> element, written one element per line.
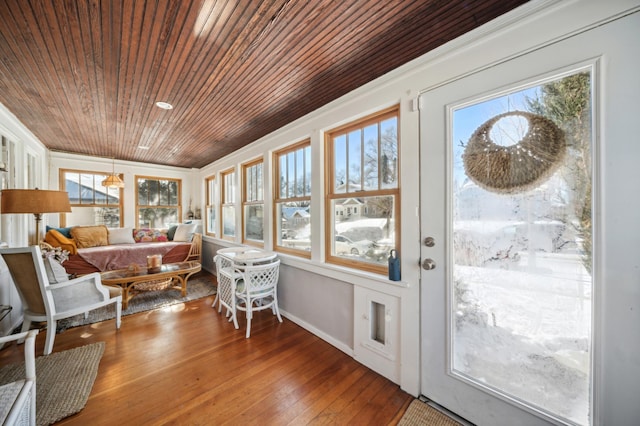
<point x="228" y="277"/>
<point x="195" y="252"/>
<point x="43" y="301"/>
<point x="18" y="399"/>
<point x="258" y="290"/>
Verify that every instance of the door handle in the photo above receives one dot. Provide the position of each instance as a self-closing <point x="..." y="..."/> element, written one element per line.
<point x="428" y="264"/>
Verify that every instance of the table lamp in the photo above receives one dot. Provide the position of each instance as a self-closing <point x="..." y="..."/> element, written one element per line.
<point x="35" y="201"/>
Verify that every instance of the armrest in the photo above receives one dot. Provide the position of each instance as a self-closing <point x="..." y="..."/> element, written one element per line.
<point x="78" y="292"/>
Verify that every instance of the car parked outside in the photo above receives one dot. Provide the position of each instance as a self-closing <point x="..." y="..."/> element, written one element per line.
<point x="344" y="245"/>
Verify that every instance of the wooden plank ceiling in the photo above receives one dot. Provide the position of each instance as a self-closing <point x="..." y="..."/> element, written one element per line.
<point x="84" y="75"/>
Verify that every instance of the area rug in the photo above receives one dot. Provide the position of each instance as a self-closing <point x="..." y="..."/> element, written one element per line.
<point x="63" y="381"/>
<point x="420" y="413"/>
<point x="197" y="288"/>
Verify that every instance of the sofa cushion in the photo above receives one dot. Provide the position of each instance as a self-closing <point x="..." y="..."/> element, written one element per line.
<point x="121" y="236"/>
<point x="149" y="235"/>
<point x="55" y="271"/>
<point x="64" y="231"/>
<point x="90" y="236"/>
<point x="172" y="232"/>
<point x="56" y="239"/>
<point x="184" y="232"/>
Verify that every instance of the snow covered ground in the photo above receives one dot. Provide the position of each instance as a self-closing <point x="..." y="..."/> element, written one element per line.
<point x="524" y="327"/>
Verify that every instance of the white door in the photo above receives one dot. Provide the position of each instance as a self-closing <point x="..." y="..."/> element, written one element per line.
<point x="529" y="192"/>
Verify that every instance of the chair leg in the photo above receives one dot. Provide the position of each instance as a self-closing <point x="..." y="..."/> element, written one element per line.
<point x="118" y="312"/>
<point x="213" y="305"/>
<point x="275" y="307"/>
<point x="51" y="335"/>
<point x="26" y="326"/>
<point x="249" y="316"/>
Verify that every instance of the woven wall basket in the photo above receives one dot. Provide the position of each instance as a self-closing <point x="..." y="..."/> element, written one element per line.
<point x="519" y="167"/>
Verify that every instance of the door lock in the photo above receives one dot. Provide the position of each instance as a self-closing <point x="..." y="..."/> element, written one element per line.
<point x="429" y="242"/>
<point x="428" y="264"/>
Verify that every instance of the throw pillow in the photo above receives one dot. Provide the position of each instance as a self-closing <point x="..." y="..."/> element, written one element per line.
<point x="90" y="236"/>
<point x="184" y="232"/>
<point x="121" y="236"/>
<point x="56" y="239"/>
<point x="172" y="232"/>
<point x="145" y="235"/>
<point x="55" y="271"/>
<point x="64" y="231"/>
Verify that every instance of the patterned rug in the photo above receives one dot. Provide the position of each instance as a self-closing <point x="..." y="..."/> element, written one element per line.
<point x="63" y="381"/>
<point x="198" y="286"/>
<point x="420" y="413"/>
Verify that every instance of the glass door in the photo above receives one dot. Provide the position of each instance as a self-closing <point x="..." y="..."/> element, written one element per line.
<point x="509" y="292"/>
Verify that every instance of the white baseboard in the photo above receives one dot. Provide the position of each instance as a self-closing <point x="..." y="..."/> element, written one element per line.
<point x="333" y="342"/>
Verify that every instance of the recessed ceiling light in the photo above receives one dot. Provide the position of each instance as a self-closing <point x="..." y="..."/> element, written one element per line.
<point x="142" y="147"/>
<point x="164" y="105"/>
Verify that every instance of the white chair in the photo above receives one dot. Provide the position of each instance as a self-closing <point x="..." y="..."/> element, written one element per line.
<point x="258" y="290"/>
<point x="18" y="398"/>
<point x="228" y="277"/>
<point x="42" y="301"/>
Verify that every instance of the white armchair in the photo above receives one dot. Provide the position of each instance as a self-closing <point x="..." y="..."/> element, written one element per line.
<point x="42" y="301"/>
<point x="258" y="290"/>
<point x="228" y="277"/>
<point x="18" y="398"/>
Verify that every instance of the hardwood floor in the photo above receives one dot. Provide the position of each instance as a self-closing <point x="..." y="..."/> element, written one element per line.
<point x="186" y="365"/>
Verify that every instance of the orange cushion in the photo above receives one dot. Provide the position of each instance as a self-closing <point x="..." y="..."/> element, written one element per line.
<point x="56" y="239"/>
<point x="90" y="236"/>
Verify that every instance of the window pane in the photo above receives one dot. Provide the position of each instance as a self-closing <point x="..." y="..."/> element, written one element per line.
<point x="259" y="189"/>
<point x="371" y="157"/>
<point x="300" y="181"/>
<point x="211" y="220"/>
<point x="355" y="160"/>
<point x="86" y="189"/>
<point x="99" y="190"/>
<point x="340" y="163"/>
<point x="71" y="185"/>
<point x="293" y="221"/>
<point x="291" y="174"/>
<point x="389" y="157"/>
<point x="163" y="193"/>
<point x="254" y="217"/>
<point x="157" y="217"/>
<point x="113" y="195"/>
<point x="522" y="246"/>
<point x="173" y="193"/>
<point x="307" y="168"/>
<point x="228" y="221"/>
<point x="143" y="192"/>
<point x="364" y="228"/>
<point x="85" y="216"/>
<point x="229" y="188"/>
<point x="283" y="176"/>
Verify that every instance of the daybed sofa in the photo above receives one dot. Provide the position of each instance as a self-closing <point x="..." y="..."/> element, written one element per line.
<point x="99" y="249"/>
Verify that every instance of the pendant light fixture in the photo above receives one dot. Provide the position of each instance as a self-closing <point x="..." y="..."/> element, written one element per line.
<point x="113" y="181"/>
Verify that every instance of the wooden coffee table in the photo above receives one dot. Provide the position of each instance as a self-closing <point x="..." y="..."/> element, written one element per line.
<point x="128" y="278"/>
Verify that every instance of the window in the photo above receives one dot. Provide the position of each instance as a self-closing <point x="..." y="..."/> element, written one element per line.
<point x="158" y="202"/>
<point x="253" y="202"/>
<point x="211" y="195"/>
<point x="91" y="203"/>
<point x="363" y="192"/>
<point x="292" y="201"/>
<point x="228" y="204"/>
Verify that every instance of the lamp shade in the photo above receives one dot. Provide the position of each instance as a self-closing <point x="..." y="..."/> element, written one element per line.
<point x="34" y="201"/>
<point x="113" y="181"/>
